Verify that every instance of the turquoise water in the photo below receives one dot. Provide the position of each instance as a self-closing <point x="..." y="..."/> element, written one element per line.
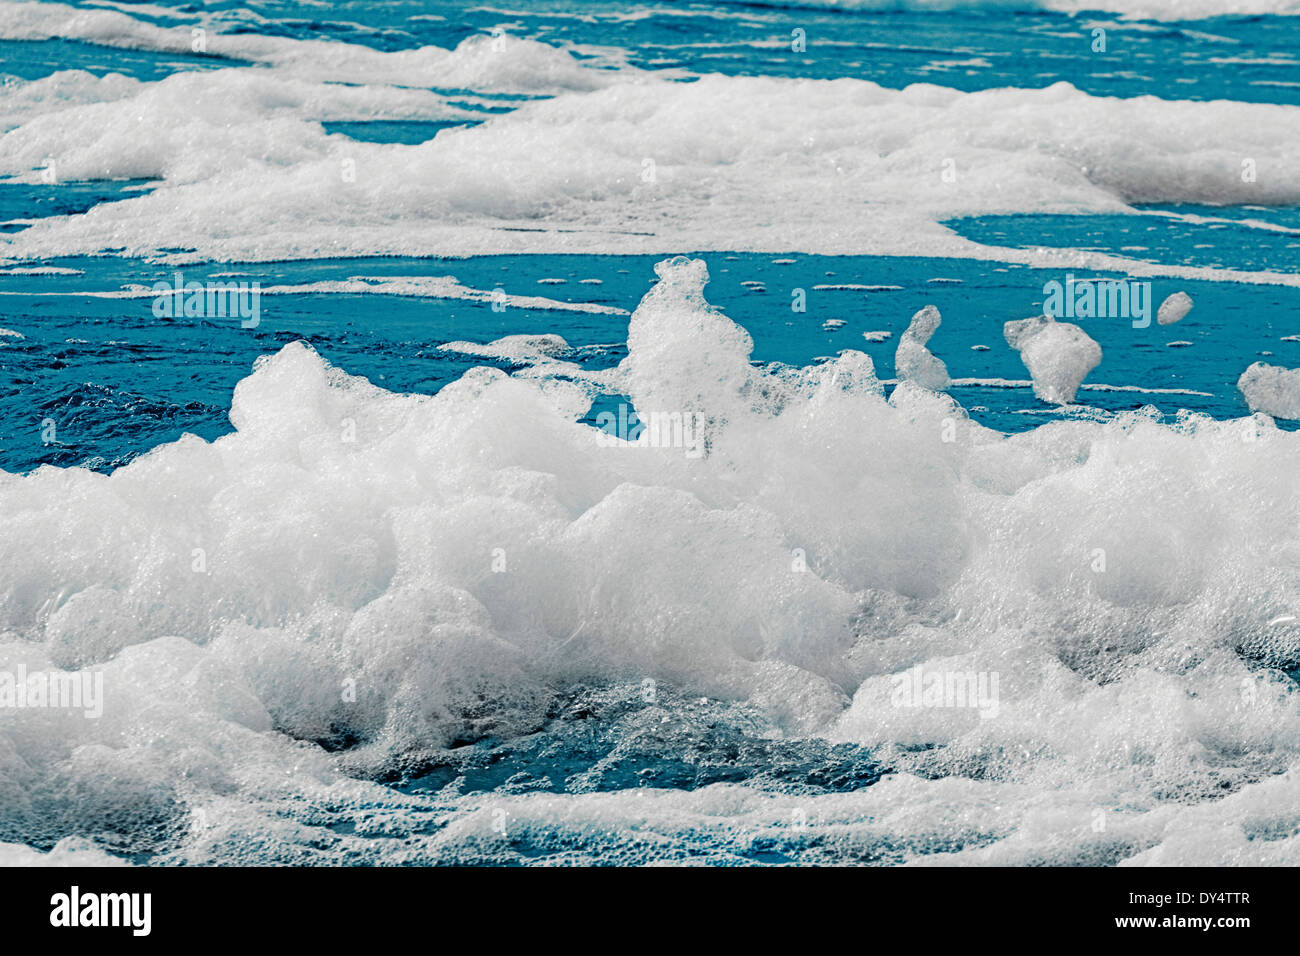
<point x="340" y="624"/>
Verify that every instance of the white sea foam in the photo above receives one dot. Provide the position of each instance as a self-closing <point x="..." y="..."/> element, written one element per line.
<point x="418" y="571"/>
<point x="483" y="63"/>
<point x="70" y="851"/>
<point x="1174" y="308"/>
<point x="570" y="172"/>
<point x="1059" y="355"/>
<point x="423" y="570"/>
<point x="913" y="361"/>
<point x="179" y="129"/>
<point x="1272" y="389"/>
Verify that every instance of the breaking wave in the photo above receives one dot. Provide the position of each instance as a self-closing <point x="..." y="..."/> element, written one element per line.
<point x="355" y="581"/>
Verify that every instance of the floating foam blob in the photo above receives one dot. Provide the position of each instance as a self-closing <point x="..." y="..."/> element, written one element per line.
<point x="1059" y="355"/>
<point x="1174" y="308"/>
<point x="1271" y="389"/>
<point x="683" y="355"/>
<point x="914" y="362"/>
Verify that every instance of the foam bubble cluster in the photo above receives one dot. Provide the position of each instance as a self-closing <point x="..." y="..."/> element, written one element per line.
<point x="914" y="362"/>
<point x="1271" y="389"/>
<point x="1174" y="308"/>
<point x="1059" y="355"/>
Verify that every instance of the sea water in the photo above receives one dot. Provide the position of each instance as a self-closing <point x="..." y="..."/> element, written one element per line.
<point x="562" y="498"/>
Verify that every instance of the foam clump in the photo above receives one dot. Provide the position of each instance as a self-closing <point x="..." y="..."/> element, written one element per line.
<point x="1059" y="355"/>
<point x="913" y="362"/>
<point x="684" y="355"/>
<point x="1174" y="308"/>
<point x="1271" y="389"/>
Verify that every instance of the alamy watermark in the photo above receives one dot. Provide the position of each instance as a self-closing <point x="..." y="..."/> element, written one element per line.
<point x="67" y="690"/>
<point x="1100" y="299"/>
<point x="213" y="300"/>
<point x="627" y="428"/>
<point x="940" y="688"/>
<point x="74" y="909"/>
